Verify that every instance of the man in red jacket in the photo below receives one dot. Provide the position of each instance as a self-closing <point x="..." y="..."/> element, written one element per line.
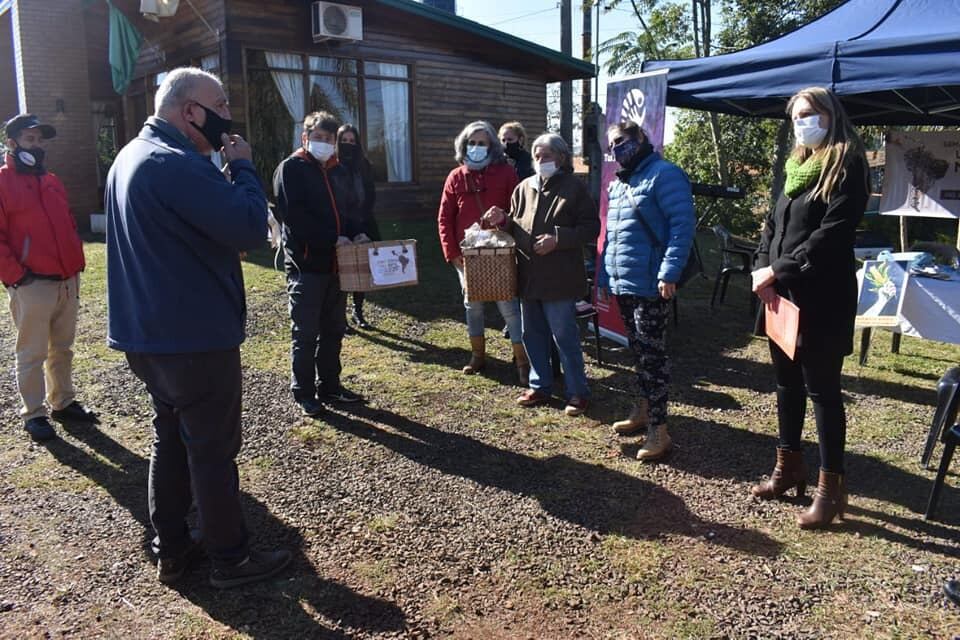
<point x="40" y="257"/>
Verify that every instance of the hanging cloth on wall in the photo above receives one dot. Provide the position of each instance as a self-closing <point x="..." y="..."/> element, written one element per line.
<point x="125" y="43"/>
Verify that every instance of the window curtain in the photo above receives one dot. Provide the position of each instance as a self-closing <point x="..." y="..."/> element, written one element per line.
<point x="290" y="86"/>
<point x="339" y="92"/>
<point x="396" y="122"/>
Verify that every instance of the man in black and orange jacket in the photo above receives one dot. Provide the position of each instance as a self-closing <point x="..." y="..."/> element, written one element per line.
<point x="311" y="196"/>
<point x="41" y="256"/>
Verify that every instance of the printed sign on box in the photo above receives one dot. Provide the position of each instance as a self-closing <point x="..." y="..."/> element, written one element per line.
<point x="392" y="265"/>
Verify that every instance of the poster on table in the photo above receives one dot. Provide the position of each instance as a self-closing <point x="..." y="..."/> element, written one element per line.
<point x="921" y="176"/>
<point x="642" y="99"/>
<point x="881" y="293"/>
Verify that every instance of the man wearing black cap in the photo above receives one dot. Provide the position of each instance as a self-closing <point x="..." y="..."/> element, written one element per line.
<point x="40" y="257"/>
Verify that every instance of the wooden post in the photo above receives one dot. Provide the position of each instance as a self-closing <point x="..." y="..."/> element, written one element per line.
<point x="903" y="233"/>
<point x="566" y="87"/>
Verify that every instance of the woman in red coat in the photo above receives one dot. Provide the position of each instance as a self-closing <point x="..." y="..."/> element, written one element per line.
<point x="483" y="180"/>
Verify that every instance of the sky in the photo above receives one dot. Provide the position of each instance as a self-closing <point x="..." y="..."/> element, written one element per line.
<point x="539" y="21"/>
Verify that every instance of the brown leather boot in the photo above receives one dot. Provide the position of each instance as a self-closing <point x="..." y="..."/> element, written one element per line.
<point x="523" y="364"/>
<point x="791" y="471"/>
<point x="829" y="501"/>
<point x="478" y="359"/>
<point x="637" y="420"/>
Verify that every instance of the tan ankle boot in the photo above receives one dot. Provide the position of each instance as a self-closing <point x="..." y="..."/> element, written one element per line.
<point x="657" y="444"/>
<point x="478" y="359"/>
<point x="790" y="471"/>
<point x="523" y="364"/>
<point x="637" y="420"/>
<point x="829" y="501"/>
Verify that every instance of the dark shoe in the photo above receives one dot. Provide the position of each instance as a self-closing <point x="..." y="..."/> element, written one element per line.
<point x="170" y="570"/>
<point x="951" y="589"/>
<point x="359" y="320"/>
<point x="341" y="394"/>
<point x="258" y="565"/>
<point x="75" y="412"/>
<point x="40" y="429"/>
<point x="790" y="471"/>
<point x="506" y="333"/>
<point x="311" y="407"/>
<point x="532" y="397"/>
<point x="576" y="406"/>
<point x="829" y="501"/>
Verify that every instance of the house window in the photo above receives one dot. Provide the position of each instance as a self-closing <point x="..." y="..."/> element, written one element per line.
<point x="373" y="96"/>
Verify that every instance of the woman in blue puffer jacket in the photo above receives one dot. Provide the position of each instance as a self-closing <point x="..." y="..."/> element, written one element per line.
<point x="650" y="228"/>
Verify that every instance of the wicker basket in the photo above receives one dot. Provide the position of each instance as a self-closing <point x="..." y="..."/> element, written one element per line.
<point x="490" y="273"/>
<point x="353" y="262"/>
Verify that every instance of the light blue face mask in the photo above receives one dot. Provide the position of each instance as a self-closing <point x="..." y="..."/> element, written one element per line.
<point x="477" y="153"/>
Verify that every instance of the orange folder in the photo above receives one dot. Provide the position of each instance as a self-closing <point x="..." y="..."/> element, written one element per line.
<point x="783" y="324"/>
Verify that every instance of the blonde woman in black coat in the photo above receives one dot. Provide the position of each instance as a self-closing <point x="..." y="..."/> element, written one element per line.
<point x="806" y="255"/>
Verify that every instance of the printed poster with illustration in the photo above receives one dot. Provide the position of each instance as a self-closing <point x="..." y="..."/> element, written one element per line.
<point x="642" y="99"/>
<point x="921" y="176"/>
<point x="393" y="265"/>
<point x="881" y="294"/>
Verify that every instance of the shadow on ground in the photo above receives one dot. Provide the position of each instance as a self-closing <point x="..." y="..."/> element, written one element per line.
<point x="592" y="496"/>
<point x="273" y="610"/>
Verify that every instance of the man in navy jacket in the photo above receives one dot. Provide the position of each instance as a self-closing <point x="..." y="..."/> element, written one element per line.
<point x="177" y="308"/>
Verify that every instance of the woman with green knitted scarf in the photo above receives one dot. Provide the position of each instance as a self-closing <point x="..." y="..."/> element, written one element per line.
<point x="806" y="255"/>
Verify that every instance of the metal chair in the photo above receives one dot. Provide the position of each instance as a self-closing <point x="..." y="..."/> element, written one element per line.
<point x="951" y="438"/>
<point x="586" y="311"/>
<point x="736" y="256"/>
<point x="948" y="404"/>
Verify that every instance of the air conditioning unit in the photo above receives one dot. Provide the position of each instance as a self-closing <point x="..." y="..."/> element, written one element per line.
<point x="332" y="21"/>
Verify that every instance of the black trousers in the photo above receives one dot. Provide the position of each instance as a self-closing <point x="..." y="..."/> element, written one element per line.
<point x="317" y="322"/>
<point x="196" y="437"/>
<point x="816" y="375"/>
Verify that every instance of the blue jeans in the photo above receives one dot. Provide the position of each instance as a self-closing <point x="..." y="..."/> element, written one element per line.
<point x="509" y="309"/>
<point x="554" y="320"/>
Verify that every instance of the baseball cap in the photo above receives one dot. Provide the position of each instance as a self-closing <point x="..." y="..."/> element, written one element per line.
<point x="19" y="123"/>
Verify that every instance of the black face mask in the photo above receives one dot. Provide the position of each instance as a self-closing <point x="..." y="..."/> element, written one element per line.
<point x="213" y="127"/>
<point x="29" y="160"/>
<point x="512" y="149"/>
<point x="347" y="152"/>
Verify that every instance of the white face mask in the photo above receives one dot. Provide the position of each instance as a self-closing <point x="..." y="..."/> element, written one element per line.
<point x="546" y="169"/>
<point x="322" y="151"/>
<point x="808" y="131"/>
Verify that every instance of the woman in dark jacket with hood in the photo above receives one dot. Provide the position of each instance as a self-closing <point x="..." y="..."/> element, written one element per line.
<point x="806" y="255"/>
<point x="362" y="193"/>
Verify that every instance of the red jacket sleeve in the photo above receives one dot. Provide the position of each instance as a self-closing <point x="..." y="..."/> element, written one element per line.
<point x="10" y="268"/>
<point x="447" y="219"/>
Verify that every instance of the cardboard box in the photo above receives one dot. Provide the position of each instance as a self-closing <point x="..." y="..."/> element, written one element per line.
<point x="372" y="266"/>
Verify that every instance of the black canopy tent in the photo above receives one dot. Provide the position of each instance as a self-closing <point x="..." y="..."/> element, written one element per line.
<point x="892" y="62"/>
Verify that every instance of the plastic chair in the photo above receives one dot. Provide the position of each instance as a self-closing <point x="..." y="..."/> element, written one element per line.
<point x="736" y="256"/>
<point x="948" y="404"/>
<point x="951" y="438"/>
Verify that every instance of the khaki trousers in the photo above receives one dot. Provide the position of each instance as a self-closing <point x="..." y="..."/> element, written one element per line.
<point x="45" y="314"/>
